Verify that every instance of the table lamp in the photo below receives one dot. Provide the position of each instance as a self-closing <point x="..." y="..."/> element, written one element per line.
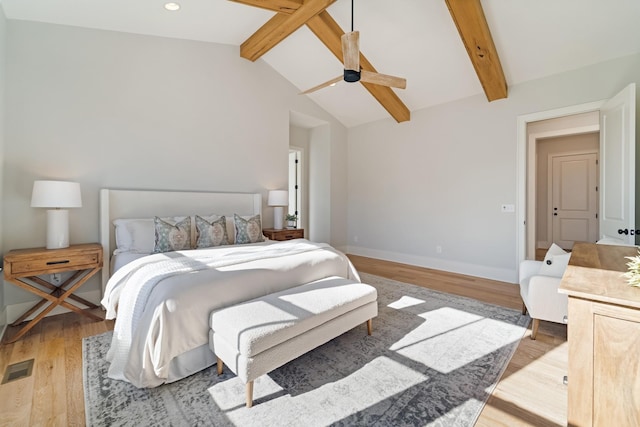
<point x="278" y="199"/>
<point x="57" y="196"/>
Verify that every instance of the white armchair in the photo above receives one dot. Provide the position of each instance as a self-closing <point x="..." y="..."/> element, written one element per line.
<point x="540" y="295"/>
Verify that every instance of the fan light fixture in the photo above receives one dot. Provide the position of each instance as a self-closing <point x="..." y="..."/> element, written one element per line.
<point x="171" y="6"/>
<point x="353" y="72"/>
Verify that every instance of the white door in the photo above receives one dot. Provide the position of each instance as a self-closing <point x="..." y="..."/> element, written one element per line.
<point x="617" y="167"/>
<point x="574" y="199"/>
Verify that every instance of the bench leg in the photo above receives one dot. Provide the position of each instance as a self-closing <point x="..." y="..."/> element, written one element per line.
<point x="369" y="326"/>
<point x="249" y="394"/>
<point x="220" y="366"/>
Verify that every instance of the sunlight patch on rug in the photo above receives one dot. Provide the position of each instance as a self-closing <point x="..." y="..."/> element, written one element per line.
<point x="450" y="339"/>
<point x="404" y="302"/>
<point x="330" y="402"/>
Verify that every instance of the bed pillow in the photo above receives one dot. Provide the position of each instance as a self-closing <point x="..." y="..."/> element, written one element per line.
<point x="172" y="237"/>
<point x="134" y="235"/>
<point x="248" y="230"/>
<point x="211" y="233"/>
<point x="555" y="261"/>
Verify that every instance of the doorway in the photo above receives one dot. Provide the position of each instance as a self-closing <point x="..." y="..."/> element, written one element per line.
<point x="532" y="128"/>
<point x="296" y="185"/>
<point x="617" y="192"/>
<point x="566" y="181"/>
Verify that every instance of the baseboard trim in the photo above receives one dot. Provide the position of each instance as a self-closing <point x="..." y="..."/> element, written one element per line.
<point x="499" y="274"/>
<point x="14" y="311"/>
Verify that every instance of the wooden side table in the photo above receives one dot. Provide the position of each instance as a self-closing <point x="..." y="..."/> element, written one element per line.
<point x="23" y="266"/>
<point x="284" y="234"/>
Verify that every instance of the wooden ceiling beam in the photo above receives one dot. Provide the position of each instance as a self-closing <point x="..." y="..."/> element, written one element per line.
<point x="285" y="6"/>
<point x="474" y="31"/>
<point x="330" y="33"/>
<point x="280" y="27"/>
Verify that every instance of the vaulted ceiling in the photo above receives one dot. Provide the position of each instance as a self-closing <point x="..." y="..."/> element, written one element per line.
<point x="446" y="49"/>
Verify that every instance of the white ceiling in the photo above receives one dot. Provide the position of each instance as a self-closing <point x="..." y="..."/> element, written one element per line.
<point x="415" y="39"/>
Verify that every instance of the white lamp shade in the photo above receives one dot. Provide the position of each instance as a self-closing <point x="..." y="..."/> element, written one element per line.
<point x="278" y="198"/>
<point x="56" y="194"/>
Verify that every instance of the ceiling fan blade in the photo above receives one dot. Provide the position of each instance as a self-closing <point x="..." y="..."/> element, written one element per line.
<point x="322" y="85"/>
<point x="383" y="79"/>
<point x="351" y="50"/>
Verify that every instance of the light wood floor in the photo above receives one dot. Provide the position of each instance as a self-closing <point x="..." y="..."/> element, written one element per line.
<point x="530" y="392"/>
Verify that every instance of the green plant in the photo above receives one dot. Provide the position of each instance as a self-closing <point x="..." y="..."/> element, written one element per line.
<point x="291" y="217"/>
<point x="633" y="275"/>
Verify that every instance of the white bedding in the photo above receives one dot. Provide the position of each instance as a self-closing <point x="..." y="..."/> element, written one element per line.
<point x="162" y="302"/>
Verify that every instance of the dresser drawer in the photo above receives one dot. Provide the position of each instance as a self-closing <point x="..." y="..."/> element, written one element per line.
<point x="284" y="234"/>
<point x="33" y="267"/>
<point x="290" y="234"/>
<point x="38" y="261"/>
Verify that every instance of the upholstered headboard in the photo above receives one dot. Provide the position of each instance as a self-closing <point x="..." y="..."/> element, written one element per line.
<point x="147" y="204"/>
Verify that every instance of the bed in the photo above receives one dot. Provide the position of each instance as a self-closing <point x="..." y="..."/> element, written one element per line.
<point x="162" y="301"/>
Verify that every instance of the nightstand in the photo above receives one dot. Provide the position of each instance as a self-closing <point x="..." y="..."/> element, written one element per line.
<point x="23" y="266"/>
<point x="284" y="234"/>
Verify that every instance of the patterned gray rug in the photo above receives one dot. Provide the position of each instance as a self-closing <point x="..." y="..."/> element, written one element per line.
<point x="433" y="359"/>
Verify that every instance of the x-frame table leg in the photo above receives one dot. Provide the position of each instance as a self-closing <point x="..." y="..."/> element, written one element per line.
<point x="53" y="299"/>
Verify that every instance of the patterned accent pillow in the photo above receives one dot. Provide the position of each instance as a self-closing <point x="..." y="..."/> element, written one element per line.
<point x="170" y="237"/>
<point x="211" y="233"/>
<point x="248" y="230"/>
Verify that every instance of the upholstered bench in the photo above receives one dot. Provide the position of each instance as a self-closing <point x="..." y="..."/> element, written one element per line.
<point x="258" y="336"/>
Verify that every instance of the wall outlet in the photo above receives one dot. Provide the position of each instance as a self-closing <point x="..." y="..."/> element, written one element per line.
<point x="438" y="249"/>
<point x="355" y="239"/>
<point x="56" y="278"/>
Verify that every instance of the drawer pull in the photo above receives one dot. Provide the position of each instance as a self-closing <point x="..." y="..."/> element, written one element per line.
<point x="66" y="261"/>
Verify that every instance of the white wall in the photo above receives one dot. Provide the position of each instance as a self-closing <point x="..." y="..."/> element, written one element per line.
<point x="320" y="184"/>
<point x="3" y="67"/>
<point x="440" y="179"/>
<point x="118" y="110"/>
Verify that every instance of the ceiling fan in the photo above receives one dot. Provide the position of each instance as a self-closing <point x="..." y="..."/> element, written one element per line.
<point x="352" y="71"/>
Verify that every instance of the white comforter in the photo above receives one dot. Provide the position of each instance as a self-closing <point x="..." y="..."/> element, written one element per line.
<point x="163" y="301"/>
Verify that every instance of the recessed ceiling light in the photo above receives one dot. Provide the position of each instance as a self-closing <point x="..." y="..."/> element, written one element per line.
<point x="172" y="6"/>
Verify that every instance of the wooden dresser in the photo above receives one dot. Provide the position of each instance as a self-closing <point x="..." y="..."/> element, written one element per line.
<point x="604" y="337"/>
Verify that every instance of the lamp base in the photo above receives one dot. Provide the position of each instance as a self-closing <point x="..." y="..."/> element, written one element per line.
<point x="278" y="214"/>
<point x="57" y="228"/>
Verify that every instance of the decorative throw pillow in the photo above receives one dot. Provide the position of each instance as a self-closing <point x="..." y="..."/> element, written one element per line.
<point x="555" y="262"/>
<point x="248" y="230"/>
<point x="211" y="233"/>
<point x="172" y="237"/>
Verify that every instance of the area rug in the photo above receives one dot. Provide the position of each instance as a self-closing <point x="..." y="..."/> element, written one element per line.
<point x="433" y="359"/>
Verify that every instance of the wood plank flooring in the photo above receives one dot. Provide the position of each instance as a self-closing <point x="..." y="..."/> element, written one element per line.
<point x="530" y="392"/>
<point x="53" y="394"/>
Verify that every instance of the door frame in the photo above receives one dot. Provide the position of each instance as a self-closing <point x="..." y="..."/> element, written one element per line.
<point x="526" y="177"/>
